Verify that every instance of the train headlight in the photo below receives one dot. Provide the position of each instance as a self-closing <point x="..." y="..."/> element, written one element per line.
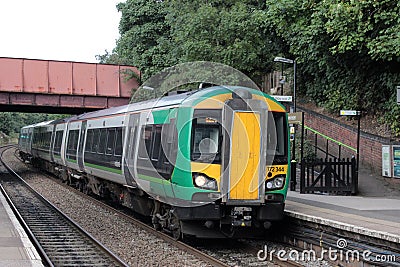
<point x="279" y="181"/>
<point x="203" y="181"/>
<point x="200" y="180"/>
<point x="276" y="183"/>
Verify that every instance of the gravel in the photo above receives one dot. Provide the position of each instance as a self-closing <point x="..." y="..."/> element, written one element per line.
<point x="132" y="244"/>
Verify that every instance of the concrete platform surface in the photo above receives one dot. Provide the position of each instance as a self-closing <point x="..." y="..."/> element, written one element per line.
<point x="373" y="216"/>
<point x="15" y="247"/>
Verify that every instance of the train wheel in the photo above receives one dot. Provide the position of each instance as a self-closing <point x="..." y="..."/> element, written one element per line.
<point x="175" y="227"/>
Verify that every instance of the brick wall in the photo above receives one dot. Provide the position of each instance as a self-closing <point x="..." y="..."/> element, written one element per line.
<point x="370" y="145"/>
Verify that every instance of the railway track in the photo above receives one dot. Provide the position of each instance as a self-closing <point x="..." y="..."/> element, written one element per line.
<point x="61" y="242"/>
<point x="222" y="254"/>
<point x="232" y="253"/>
<point x="148" y="228"/>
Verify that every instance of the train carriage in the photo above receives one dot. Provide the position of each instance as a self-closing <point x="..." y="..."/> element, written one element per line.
<point x="206" y="163"/>
<point x="41" y="140"/>
<point x="103" y="147"/>
<point x="25" y="142"/>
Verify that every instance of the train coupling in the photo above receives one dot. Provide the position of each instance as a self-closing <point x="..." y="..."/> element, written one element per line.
<point x="241" y="216"/>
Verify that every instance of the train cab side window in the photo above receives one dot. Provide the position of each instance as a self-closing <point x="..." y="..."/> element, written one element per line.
<point x="118" y="142"/>
<point x="110" y="141"/>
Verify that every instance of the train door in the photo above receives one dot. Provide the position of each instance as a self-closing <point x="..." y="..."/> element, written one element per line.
<point x="244" y="151"/>
<point x="152" y="165"/>
<point x="53" y="140"/>
<point x="81" y="145"/>
<point x="131" y="145"/>
<point x="245" y="157"/>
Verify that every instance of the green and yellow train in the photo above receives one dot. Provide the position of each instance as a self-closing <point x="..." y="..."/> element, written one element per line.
<point x="207" y="163"/>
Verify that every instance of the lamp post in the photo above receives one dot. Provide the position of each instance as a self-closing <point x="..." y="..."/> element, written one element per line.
<point x="293" y="162"/>
<point x="289" y="61"/>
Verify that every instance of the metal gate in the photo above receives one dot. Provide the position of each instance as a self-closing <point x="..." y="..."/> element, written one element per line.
<point x="329" y="176"/>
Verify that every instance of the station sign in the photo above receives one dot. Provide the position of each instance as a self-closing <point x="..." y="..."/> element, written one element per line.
<point x="295" y="118"/>
<point x="283" y="98"/>
<point x="349" y="113"/>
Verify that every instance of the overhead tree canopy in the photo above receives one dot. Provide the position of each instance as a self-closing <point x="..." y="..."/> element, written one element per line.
<point x="348" y="52"/>
<point x="159" y="34"/>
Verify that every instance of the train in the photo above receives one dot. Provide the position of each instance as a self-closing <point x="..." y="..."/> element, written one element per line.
<point x="208" y="163"/>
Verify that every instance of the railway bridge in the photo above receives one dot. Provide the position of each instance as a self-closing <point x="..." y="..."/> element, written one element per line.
<point x="48" y="86"/>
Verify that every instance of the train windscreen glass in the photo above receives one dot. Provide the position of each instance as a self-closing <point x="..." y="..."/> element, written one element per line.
<point x="276" y="134"/>
<point x="206" y="141"/>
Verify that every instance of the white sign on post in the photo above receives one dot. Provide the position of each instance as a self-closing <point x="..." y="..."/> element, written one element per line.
<point x="386" y="161"/>
<point x="283" y="98"/>
<point x="349" y="113"/>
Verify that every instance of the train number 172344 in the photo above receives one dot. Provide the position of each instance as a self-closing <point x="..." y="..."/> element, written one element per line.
<point x="275" y="169"/>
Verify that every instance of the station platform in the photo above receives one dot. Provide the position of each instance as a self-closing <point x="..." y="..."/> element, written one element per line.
<point x="15" y="247"/>
<point x="373" y="216"/>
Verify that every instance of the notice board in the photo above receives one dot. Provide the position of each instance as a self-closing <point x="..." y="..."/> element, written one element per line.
<point x="396" y="161"/>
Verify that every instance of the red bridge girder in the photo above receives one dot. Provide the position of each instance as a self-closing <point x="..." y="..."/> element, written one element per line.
<point x="58" y="86"/>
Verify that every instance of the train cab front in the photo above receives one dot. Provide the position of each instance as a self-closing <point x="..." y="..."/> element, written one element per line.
<point x="239" y="164"/>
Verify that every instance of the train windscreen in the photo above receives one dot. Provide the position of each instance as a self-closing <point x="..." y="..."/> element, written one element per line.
<point x="277" y="135"/>
<point x="206" y="140"/>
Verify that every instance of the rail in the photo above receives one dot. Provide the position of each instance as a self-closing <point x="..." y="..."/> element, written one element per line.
<point x="59" y="240"/>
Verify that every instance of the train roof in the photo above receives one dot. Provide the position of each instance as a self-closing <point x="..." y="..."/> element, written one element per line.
<point x="165" y="101"/>
<point x="43" y="123"/>
<point x="148" y="104"/>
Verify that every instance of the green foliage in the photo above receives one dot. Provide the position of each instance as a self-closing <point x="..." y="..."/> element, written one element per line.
<point x="235" y="35"/>
<point x="347" y="52"/>
<point x="308" y="147"/>
<point x="12" y="122"/>
<point x="159" y="34"/>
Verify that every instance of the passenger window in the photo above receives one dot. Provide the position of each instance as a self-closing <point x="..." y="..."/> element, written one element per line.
<point x="103" y="141"/>
<point x="110" y="141"/>
<point x="133" y="141"/>
<point x="89" y="140"/>
<point x="145" y="142"/>
<point x="118" y="142"/>
<point x="58" y="141"/>
<point x="72" y="141"/>
<point x="155" y="153"/>
<point x="96" y="138"/>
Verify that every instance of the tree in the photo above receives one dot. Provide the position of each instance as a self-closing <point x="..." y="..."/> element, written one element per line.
<point x="6" y="125"/>
<point x="336" y="43"/>
<point x="233" y="33"/>
<point x="144" y="40"/>
<point x="160" y="34"/>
